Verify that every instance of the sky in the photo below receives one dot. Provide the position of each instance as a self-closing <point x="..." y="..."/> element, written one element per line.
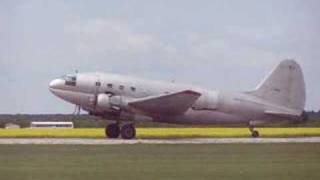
<point x="219" y="45"/>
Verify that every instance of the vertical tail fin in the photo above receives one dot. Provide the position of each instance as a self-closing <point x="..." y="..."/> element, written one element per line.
<point x="285" y="86"/>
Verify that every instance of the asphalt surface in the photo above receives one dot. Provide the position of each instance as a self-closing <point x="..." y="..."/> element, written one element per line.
<point x="79" y="141"/>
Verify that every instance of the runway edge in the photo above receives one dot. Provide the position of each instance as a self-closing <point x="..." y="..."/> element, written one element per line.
<point x="83" y="141"/>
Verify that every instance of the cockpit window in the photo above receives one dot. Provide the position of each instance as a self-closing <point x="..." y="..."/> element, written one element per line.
<point x="70" y="80"/>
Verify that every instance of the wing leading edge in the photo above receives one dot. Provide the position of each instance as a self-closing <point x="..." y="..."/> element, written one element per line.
<point x="168" y="104"/>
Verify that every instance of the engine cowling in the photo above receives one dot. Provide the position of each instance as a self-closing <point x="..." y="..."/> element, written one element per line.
<point x="103" y="102"/>
<point x="108" y="103"/>
<point x="111" y="107"/>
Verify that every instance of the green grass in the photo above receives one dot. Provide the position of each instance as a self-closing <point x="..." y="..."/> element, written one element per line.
<point x="161" y="132"/>
<point x="232" y="161"/>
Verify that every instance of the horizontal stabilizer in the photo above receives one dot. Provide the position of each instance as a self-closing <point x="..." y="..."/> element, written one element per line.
<point x="283" y="114"/>
<point x="168" y="104"/>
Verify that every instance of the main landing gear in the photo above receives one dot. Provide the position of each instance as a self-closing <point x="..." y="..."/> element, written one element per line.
<point x="127" y="131"/>
<point x="254" y="133"/>
<point x="112" y="130"/>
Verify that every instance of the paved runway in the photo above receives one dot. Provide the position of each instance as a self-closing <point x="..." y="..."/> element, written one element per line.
<point x="82" y="141"/>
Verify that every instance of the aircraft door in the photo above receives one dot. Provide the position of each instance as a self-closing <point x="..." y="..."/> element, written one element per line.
<point x="96" y="90"/>
<point x="97" y="84"/>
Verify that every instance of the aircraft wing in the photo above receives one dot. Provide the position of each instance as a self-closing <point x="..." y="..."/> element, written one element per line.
<point x="168" y="104"/>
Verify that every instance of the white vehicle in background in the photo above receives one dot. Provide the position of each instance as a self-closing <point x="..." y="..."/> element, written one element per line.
<point x="53" y="124"/>
<point x="281" y="96"/>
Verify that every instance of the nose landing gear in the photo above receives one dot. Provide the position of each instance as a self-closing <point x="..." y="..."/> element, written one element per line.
<point x="127" y="131"/>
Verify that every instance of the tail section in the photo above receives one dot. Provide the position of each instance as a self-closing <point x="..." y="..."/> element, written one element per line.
<point x="285" y="86"/>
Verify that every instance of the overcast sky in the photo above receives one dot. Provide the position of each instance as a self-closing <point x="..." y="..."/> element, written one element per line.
<point x="219" y="45"/>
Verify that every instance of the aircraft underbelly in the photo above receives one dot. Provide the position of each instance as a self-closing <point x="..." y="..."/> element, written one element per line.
<point x="208" y="117"/>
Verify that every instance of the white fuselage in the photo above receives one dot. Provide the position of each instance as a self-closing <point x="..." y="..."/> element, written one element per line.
<point x="212" y="107"/>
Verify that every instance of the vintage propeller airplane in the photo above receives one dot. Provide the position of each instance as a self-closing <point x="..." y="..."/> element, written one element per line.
<point x="281" y="96"/>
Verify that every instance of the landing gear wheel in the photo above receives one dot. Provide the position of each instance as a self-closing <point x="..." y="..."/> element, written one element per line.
<point x="112" y="131"/>
<point x="128" y="131"/>
<point x="255" y="134"/>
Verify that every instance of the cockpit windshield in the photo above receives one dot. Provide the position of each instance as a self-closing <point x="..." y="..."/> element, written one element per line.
<point x="70" y="79"/>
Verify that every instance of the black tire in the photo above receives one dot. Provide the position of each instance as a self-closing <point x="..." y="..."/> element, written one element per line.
<point x="112" y="131"/>
<point x="255" y="134"/>
<point x="128" y="131"/>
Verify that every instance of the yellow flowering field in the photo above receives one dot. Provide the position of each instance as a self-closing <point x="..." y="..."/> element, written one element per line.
<point x="160" y="132"/>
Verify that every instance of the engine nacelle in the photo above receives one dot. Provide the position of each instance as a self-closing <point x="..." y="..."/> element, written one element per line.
<point x="103" y="102"/>
<point x="112" y="107"/>
<point x="107" y="103"/>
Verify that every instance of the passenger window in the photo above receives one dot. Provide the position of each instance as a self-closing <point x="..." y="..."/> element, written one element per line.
<point x="133" y="89"/>
<point x="98" y="84"/>
<point x="109" y="85"/>
<point x="121" y="87"/>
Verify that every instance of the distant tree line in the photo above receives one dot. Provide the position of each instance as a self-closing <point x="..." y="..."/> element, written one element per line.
<point x="87" y="121"/>
<point x="79" y="121"/>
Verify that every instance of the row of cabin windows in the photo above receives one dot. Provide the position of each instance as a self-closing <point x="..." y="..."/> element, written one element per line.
<point x="121" y="87"/>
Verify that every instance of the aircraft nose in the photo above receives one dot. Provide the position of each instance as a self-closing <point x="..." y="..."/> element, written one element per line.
<point x="56" y="84"/>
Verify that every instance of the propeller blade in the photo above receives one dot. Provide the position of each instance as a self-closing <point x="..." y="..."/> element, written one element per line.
<point x="77" y="110"/>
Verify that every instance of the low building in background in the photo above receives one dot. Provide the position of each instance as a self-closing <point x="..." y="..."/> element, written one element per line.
<point x="11" y="126"/>
<point x="52" y="124"/>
